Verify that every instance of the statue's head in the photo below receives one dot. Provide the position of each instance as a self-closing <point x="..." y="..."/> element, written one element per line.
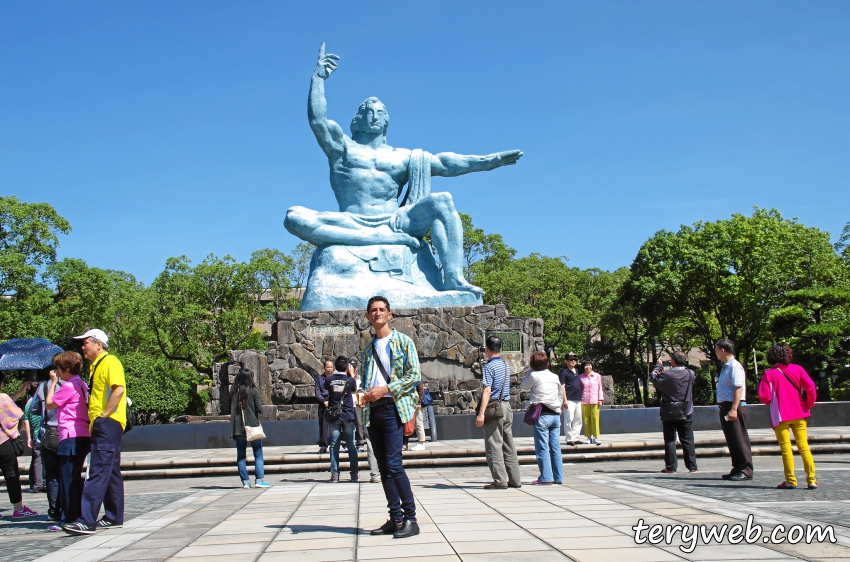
<point x="371" y="118"/>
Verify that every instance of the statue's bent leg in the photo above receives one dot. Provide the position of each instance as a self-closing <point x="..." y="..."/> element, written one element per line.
<point x="437" y="213"/>
<point x="329" y="227"/>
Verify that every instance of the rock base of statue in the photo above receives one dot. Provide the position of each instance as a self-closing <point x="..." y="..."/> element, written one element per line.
<point x="344" y="277"/>
<point x="447" y="340"/>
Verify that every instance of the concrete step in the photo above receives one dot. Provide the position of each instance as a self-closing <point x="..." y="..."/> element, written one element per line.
<point x="469" y="456"/>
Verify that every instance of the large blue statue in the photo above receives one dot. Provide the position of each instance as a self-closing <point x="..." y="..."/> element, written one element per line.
<point x="373" y="244"/>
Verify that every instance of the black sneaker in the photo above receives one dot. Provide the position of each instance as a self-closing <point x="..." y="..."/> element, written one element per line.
<point x="388" y="528"/>
<point x="355" y="478"/>
<point x="78" y="529"/>
<point x="409" y="529"/>
<point x="104" y="523"/>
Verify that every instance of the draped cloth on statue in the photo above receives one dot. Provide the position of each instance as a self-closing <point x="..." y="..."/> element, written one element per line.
<point x="419" y="177"/>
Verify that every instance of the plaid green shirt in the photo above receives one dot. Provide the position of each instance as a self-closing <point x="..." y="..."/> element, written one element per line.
<point x="404" y="376"/>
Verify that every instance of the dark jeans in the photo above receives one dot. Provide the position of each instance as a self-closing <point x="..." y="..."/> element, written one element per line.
<point x="345" y="430"/>
<point x="105" y="485"/>
<point x="9" y="466"/>
<point x="685" y="429"/>
<point x="386" y="431"/>
<point x="737" y="439"/>
<point x="72" y="454"/>
<point x="36" y="471"/>
<point x="50" y="461"/>
<point x="323" y="427"/>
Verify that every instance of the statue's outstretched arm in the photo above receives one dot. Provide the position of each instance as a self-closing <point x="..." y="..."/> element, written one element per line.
<point x="450" y="164"/>
<point x="328" y="133"/>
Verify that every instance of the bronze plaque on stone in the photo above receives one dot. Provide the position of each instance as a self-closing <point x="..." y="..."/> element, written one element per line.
<point x="511" y="341"/>
<point x="330" y="330"/>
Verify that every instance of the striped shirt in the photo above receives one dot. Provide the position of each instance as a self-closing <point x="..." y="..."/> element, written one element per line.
<point x="497" y="376"/>
<point x="404" y="376"/>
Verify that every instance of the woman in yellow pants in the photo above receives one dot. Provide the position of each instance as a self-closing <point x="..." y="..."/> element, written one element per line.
<point x="591" y="400"/>
<point x="790" y="393"/>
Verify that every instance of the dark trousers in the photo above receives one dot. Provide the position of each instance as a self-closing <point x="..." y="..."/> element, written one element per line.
<point x="737" y="439"/>
<point x="386" y="431"/>
<point x="36" y="471"/>
<point x="72" y="454"/>
<point x="9" y="466"/>
<point x="343" y="430"/>
<point x="685" y="430"/>
<point x="105" y="485"/>
<point x="323" y="427"/>
<point x="50" y="461"/>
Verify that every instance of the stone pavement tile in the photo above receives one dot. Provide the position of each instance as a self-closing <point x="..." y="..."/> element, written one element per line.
<point x="235" y="557"/>
<point x="473" y="547"/>
<point x="500" y="535"/>
<point x="93" y="555"/>
<point x="584" y="530"/>
<point x="539" y="556"/>
<point x="219" y="549"/>
<point x="728" y="552"/>
<point x="598" y="542"/>
<point x="311" y="535"/>
<point x="632" y="554"/>
<point x="384" y="540"/>
<point x="327" y="555"/>
<point x="481" y="526"/>
<point x="234" y="538"/>
<point x="141" y="553"/>
<point x="615" y="521"/>
<point x="250" y="526"/>
<point x="290" y="545"/>
<point x="402" y="549"/>
<point x="550" y="523"/>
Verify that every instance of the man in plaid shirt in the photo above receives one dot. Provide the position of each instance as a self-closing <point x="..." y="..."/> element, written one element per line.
<point x="391" y="400"/>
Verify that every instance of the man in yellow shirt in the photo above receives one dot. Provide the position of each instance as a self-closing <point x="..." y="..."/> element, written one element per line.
<point x="108" y="417"/>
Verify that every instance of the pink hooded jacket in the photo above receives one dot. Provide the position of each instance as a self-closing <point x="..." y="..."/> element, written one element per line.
<point x="591" y="388"/>
<point x="791" y="406"/>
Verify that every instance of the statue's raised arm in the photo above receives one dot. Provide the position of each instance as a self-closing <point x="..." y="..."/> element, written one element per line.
<point x="328" y="133"/>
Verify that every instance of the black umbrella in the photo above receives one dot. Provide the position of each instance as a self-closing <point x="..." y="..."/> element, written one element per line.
<point x="27" y="354"/>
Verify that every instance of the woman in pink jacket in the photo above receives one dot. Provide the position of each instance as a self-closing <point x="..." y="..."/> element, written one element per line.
<point x="591" y="399"/>
<point x="790" y="393"/>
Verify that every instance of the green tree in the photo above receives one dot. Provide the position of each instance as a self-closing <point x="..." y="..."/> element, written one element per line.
<point x="158" y="387"/>
<point x="202" y="312"/>
<point x="29" y="237"/>
<point x="272" y="271"/>
<point x="725" y="278"/>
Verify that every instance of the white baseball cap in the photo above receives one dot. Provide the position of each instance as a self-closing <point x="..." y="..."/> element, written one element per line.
<point x="95" y="333"/>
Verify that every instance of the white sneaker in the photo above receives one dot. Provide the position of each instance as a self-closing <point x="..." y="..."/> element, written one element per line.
<point x="418" y="447"/>
<point x="246" y="486"/>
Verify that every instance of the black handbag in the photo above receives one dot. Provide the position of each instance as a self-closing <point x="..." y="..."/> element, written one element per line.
<point x="493" y="411"/>
<point x="50" y="441"/>
<point x="675" y="411"/>
<point x="17" y="444"/>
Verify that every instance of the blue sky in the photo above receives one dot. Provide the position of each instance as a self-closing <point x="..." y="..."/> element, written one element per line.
<point x="167" y="128"/>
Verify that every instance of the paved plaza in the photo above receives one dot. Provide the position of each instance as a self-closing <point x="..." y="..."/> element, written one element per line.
<point x="588" y="519"/>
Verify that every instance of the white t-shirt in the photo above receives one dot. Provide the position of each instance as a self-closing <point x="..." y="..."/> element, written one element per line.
<point x="382" y="346"/>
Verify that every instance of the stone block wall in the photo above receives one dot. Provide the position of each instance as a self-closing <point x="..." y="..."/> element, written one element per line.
<point x="447" y="340"/>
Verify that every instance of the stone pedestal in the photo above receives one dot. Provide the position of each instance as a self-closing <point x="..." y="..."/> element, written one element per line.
<point x="446" y="338"/>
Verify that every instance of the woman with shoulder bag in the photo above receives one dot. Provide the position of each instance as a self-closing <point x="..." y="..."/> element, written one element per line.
<point x="790" y="393"/>
<point x="245" y="407"/>
<point x="545" y="404"/>
<point x="11" y="447"/>
<point x="72" y="414"/>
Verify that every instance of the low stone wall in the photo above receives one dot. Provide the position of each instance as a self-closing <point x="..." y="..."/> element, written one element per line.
<point x="447" y="340"/>
<point x="306" y="432"/>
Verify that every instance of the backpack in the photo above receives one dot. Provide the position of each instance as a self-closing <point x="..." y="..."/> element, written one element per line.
<point x="427" y="399"/>
<point x="334" y="411"/>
